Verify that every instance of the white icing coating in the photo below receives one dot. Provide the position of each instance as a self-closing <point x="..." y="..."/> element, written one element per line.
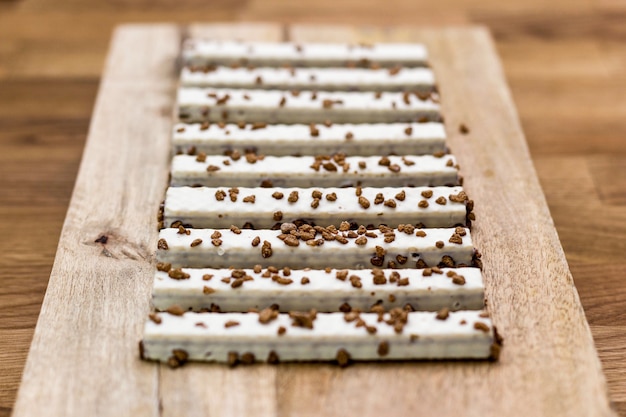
<point x="291" y="171"/>
<point x="322" y="291"/>
<point x="237" y="249"/>
<point x="281" y="140"/>
<point x="204" y="337"/>
<point x="212" y="207"/>
<point x="211" y="52"/>
<point x="235" y="105"/>
<point x="328" y="79"/>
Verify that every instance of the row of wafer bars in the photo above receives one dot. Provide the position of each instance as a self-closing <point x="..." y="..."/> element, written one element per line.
<point x="314" y="212"/>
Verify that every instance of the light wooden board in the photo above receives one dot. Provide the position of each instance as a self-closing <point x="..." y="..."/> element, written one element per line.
<point x="84" y="359"/>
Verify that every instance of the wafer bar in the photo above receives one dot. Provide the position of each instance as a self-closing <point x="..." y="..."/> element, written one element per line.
<point x="316" y="247"/>
<point x="285" y="337"/>
<point x="202" y="207"/>
<point x="325" y="79"/>
<point x="251" y="170"/>
<point x="303" y="139"/>
<point x="202" y="52"/>
<point x="237" y="290"/>
<point x="275" y="106"/>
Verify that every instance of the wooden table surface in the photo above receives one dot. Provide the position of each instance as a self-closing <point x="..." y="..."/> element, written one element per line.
<point x="565" y="62"/>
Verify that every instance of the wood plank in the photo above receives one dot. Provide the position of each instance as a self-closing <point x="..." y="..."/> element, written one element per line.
<point x="566" y="377"/>
<point x="101" y="292"/>
<point x="493" y="157"/>
<point x="213" y="390"/>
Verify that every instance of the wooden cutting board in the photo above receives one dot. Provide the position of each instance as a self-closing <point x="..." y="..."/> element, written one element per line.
<point x="84" y="359"/>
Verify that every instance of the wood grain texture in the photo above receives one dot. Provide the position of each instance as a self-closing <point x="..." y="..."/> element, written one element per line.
<point x="51" y="57"/>
<point x="548" y="367"/>
<point x="529" y="286"/>
<point x="249" y="390"/>
<point x="83" y="358"/>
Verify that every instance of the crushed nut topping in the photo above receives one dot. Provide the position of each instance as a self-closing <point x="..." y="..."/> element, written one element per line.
<point x="355" y="280"/>
<point x="175" y="310"/>
<point x="455" y="238"/>
<point x="303" y="319"/>
<point x="394" y="168"/>
<point x="458" y="198"/>
<point x="341" y="275"/>
<point x="443" y="314"/>
<point x="343" y="358"/>
<point x="329" y="166"/>
<point x="479" y="325"/>
<point x="293" y="197"/>
<point x="266" y="249"/>
<point x="163" y="266"/>
<point x="383" y="348"/>
<point x="267" y="315"/>
<point x="220" y="195"/>
<point x="155" y="318"/>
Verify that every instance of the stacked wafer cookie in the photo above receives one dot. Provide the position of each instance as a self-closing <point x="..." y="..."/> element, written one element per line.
<point x="314" y="212"/>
